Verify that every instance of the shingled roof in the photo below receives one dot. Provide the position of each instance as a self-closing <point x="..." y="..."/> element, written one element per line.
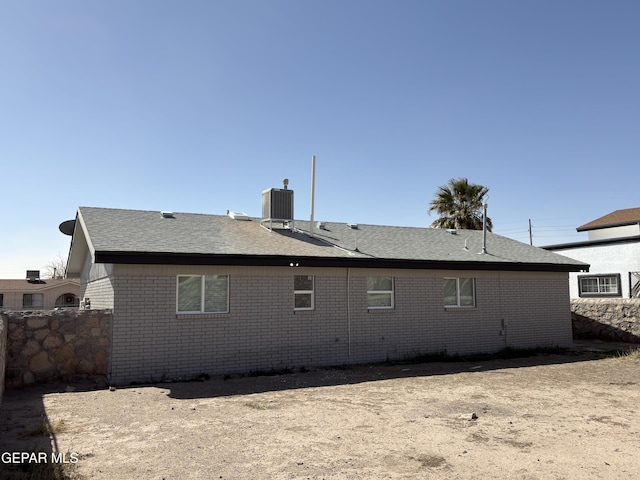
<point x="619" y="218"/>
<point x="146" y="237"/>
<point x="25" y="286"/>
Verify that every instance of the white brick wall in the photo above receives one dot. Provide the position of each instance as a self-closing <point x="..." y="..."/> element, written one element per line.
<point x="100" y="292"/>
<point x="262" y="331"/>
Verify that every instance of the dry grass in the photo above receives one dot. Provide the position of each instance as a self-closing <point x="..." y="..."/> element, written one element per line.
<point x="45" y="428"/>
<point x="50" y="470"/>
<point x="631" y="354"/>
<point x="41" y="471"/>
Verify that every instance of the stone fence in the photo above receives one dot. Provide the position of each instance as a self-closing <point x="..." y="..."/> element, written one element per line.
<point x="614" y="319"/>
<point x="56" y="345"/>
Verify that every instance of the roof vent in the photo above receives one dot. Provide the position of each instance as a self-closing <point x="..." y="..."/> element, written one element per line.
<point x="166" y="214"/>
<point x="353" y="226"/>
<point x="33" y="275"/>
<point x="238" y="215"/>
<point x="452" y="231"/>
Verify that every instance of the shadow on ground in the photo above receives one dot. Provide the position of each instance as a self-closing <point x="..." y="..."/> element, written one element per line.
<point x="260" y="382"/>
<point x="27" y="439"/>
<point x="265" y="381"/>
<point x="25" y="427"/>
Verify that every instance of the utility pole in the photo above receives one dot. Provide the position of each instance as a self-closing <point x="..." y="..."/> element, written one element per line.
<point x="530" y="234"/>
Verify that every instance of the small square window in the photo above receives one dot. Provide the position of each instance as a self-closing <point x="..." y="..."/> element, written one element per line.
<point x="380" y="292"/>
<point x="303" y="292"/>
<point x="33" y="300"/>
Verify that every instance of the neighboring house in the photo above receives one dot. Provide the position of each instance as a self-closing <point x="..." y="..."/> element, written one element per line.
<point x="194" y="293"/>
<point x="613" y="251"/>
<point x="36" y="294"/>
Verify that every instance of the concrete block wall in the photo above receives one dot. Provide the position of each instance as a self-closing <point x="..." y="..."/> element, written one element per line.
<point x="537" y="310"/>
<point x="100" y="292"/>
<point x="263" y="332"/>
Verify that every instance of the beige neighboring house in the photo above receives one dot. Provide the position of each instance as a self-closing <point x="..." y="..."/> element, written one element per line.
<point x="34" y="293"/>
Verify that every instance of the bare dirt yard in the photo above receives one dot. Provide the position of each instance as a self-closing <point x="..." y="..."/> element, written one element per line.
<point x="544" y="417"/>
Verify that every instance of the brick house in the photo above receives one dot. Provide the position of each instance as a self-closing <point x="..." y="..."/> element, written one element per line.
<point x="34" y="293"/>
<point x="612" y="249"/>
<point x="194" y="293"/>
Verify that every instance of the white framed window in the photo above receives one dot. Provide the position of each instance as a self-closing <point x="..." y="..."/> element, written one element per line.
<point x="459" y="292"/>
<point x="33" y="300"/>
<point x="599" y="285"/>
<point x="202" y="294"/>
<point x="379" y="292"/>
<point x="303" y="292"/>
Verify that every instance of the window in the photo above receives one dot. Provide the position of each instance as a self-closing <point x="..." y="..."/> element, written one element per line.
<point x="203" y="293"/>
<point x="67" y="300"/>
<point x="599" y="286"/>
<point x="303" y="292"/>
<point x="459" y="292"/>
<point x="1" y="300"/>
<point x="380" y="292"/>
<point x="33" y="300"/>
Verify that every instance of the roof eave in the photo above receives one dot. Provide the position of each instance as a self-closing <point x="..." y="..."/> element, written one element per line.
<point x="165" y="258"/>
<point x="589" y="243"/>
<point x="587" y="228"/>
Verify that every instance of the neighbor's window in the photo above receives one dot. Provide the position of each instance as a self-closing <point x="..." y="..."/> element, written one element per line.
<point x="1" y="300"/>
<point x="303" y="292"/>
<point x="459" y="292"/>
<point x="33" y="300"/>
<point x="203" y="293"/>
<point x="380" y="292"/>
<point x="67" y="300"/>
<point x="599" y="285"/>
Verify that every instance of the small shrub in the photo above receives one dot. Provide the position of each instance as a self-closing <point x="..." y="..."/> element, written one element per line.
<point x="504" y="354"/>
<point x="269" y="373"/>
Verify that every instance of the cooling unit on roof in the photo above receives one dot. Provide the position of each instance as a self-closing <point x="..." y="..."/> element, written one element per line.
<point x="277" y="207"/>
<point x="33" y="275"/>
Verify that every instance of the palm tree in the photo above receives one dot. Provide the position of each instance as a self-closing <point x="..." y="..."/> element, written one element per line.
<point x="460" y="205"/>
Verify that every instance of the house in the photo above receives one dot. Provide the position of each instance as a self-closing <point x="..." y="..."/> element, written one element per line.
<point x="613" y="251"/>
<point x="34" y="293"/>
<point x="194" y="293"/>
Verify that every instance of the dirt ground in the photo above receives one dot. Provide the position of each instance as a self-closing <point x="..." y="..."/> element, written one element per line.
<point x="552" y="417"/>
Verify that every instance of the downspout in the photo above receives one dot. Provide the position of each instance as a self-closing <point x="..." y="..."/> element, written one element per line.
<point x="349" y="311"/>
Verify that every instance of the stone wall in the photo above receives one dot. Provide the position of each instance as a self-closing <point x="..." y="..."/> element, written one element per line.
<point x="615" y="319"/>
<point x="57" y="345"/>
<point x="3" y="353"/>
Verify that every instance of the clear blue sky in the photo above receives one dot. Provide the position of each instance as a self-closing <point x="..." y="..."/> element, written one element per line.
<point x="198" y="106"/>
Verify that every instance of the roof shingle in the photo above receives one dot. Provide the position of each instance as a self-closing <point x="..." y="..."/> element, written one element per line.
<point x="113" y="232"/>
